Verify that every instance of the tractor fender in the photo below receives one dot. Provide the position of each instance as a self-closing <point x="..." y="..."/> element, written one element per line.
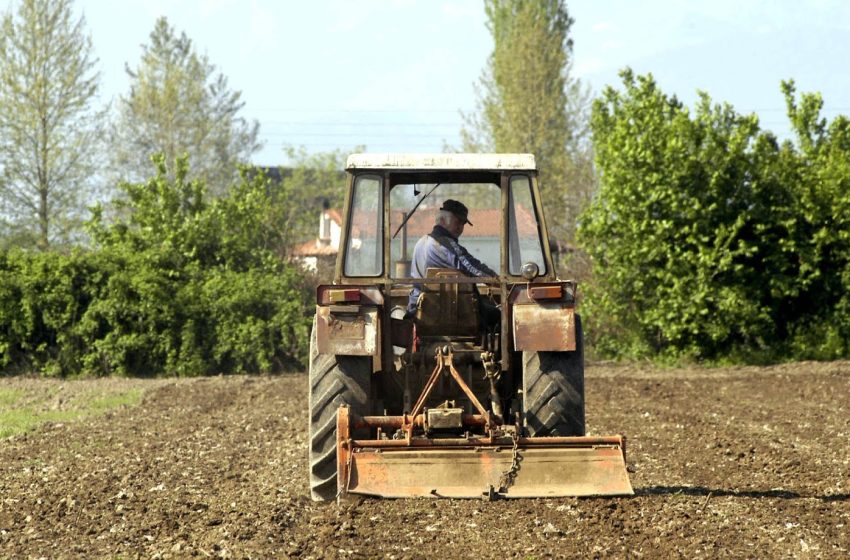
<point x="543" y="317"/>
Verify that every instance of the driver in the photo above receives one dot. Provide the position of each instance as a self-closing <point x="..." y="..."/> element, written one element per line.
<point x="440" y="249"/>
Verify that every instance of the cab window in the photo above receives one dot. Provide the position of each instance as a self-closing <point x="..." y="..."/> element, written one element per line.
<point x="408" y="226"/>
<point x="523" y="229"/>
<point x="364" y="254"/>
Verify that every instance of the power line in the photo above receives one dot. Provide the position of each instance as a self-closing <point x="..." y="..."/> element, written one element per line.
<point x="361" y="124"/>
<point x="371" y="146"/>
<point x="784" y="109"/>
<point x="349" y="111"/>
<point x="353" y="134"/>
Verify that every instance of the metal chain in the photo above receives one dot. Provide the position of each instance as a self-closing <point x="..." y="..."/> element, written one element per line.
<point x="507" y="478"/>
<point x="491" y="368"/>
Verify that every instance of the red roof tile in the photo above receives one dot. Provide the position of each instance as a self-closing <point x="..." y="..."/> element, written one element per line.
<point x="487" y="222"/>
<point x="334" y="215"/>
<point x="314" y="248"/>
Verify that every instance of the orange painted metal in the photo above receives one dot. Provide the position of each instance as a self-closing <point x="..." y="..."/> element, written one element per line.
<point x="444" y="471"/>
<point x="396" y="422"/>
<point x="545" y="326"/>
<point x="497" y="463"/>
<point x="444" y="361"/>
<point x="555" y="291"/>
<point x="349" y="330"/>
<point x="475" y="466"/>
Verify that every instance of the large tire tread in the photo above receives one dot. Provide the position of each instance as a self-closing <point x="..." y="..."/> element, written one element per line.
<point x="553" y="391"/>
<point x="334" y="381"/>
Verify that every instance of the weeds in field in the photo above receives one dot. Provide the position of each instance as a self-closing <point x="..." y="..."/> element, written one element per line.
<point x="8" y="397"/>
<point x="24" y="410"/>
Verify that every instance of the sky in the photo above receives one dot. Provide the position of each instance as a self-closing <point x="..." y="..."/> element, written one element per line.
<point x="396" y="75"/>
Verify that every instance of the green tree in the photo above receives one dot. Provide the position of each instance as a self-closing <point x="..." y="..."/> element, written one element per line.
<point x="193" y="285"/>
<point x="678" y="228"/>
<point x="309" y="182"/>
<point x="711" y="240"/>
<point x="48" y="124"/>
<point x="178" y="105"/>
<point x="819" y="323"/>
<point x="529" y="102"/>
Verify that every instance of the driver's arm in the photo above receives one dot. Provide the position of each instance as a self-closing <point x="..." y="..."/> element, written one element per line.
<point x="465" y="262"/>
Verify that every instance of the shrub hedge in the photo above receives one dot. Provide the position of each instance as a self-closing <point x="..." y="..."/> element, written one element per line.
<point x="174" y="283"/>
<point x="712" y="240"/>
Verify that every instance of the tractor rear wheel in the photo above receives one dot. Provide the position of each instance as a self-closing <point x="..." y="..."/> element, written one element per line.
<point x="334" y="381"/>
<point x="553" y="390"/>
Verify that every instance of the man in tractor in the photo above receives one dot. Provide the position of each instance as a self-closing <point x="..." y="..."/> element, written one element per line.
<point x="440" y="249"/>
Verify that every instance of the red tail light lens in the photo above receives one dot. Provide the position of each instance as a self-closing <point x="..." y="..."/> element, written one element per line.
<point x="346" y="295"/>
<point x="335" y="294"/>
<point x="546" y="292"/>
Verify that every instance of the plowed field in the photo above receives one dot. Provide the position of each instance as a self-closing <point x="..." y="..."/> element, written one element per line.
<point x="745" y="462"/>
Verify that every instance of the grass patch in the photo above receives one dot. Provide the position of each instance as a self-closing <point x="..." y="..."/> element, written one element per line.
<point x="126" y="398"/>
<point x="24" y="409"/>
<point x="18" y="421"/>
<point x="8" y="397"/>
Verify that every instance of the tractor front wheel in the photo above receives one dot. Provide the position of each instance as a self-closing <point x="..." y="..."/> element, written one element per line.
<point x="334" y="381"/>
<point x="553" y="390"/>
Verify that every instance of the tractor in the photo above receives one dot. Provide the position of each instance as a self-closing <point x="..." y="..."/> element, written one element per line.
<point x="426" y="398"/>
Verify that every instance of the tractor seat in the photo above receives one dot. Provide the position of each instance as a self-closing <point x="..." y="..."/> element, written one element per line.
<point x="447" y="309"/>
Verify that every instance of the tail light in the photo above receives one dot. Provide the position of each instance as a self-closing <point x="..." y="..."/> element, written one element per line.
<point x="546" y="292"/>
<point x="336" y="294"/>
<point x="344" y="295"/>
<point x="562" y="291"/>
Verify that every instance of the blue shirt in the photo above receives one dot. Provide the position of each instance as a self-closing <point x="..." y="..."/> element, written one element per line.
<point x="431" y="253"/>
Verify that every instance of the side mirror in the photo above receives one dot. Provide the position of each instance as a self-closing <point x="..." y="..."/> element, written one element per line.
<point x="530" y="271"/>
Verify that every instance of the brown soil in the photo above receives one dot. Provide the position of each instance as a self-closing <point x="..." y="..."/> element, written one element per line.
<point x="743" y="462"/>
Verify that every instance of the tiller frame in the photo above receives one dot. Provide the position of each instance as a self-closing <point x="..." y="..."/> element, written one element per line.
<point x="499" y="464"/>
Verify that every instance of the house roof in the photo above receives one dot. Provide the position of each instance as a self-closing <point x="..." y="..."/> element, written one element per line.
<point x="487" y="224"/>
<point x="442" y="161"/>
<point x="314" y="248"/>
<point x="334" y="215"/>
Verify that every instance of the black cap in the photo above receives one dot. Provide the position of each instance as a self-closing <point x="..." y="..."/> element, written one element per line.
<point x="458" y="209"/>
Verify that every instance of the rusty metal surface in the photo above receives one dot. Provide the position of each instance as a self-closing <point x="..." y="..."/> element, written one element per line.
<point x="444" y="362"/>
<point x="448" y="418"/>
<point x="444" y="471"/>
<point x="531" y="292"/>
<point x="549" y="291"/>
<point x="343" y="450"/>
<point x="347" y="330"/>
<point x="395" y="422"/>
<point x="471" y="467"/>
<point x="505" y="442"/>
<point x="544" y="327"/>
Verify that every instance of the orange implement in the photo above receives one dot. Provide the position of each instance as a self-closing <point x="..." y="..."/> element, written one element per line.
<point x="469" y="467"/>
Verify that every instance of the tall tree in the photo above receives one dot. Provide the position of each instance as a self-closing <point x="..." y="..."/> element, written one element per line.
<point x="48" y="123"/>
<point x="178" y="105"/>
<point x="529" y="102"/>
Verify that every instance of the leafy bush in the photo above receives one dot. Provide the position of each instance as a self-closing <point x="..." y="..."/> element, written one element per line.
<point x="708" y="237"/>
<point x="175" y="284"/>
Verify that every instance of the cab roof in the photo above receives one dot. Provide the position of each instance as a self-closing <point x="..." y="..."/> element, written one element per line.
<point x="479" y="162"/>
